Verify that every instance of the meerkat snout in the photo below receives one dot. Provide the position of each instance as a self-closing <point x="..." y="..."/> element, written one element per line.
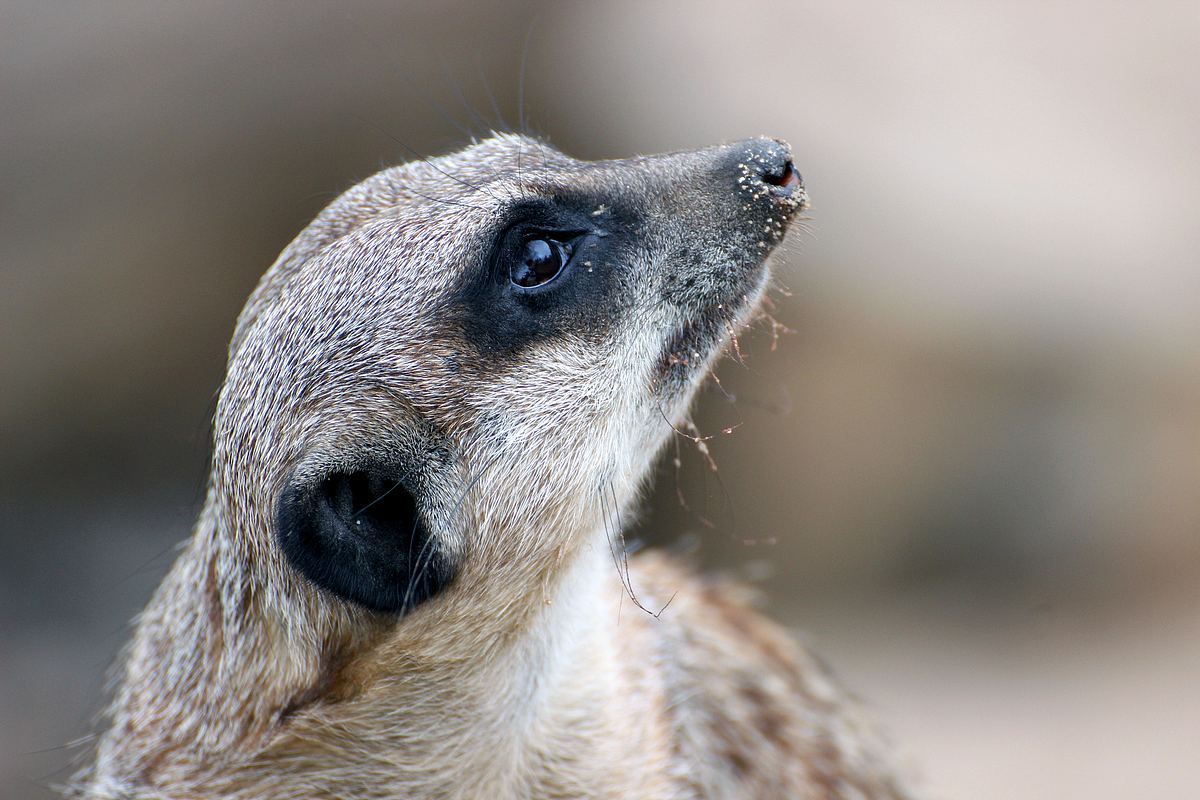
<point x="769" y="161"/>
<point x="441" y="402"/>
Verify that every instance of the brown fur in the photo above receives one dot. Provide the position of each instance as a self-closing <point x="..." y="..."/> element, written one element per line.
<point x="524" y="678"/>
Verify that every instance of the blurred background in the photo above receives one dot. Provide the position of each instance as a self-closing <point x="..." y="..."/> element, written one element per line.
<point x="970" y="476"/>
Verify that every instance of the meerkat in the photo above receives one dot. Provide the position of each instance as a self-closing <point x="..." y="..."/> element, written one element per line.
<point x="441" y="401"/>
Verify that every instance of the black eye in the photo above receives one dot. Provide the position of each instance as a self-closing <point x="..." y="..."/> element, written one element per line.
<point x="539" y="261"/>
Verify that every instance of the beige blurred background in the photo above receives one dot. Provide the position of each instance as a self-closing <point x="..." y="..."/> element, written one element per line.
<point x="973" y="471"/>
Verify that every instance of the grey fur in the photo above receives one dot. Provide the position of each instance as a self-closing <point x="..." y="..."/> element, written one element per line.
<point x="244" y="680"/>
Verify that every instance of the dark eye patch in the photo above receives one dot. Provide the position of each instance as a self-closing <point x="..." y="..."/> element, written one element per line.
<point x="500" y="318"/>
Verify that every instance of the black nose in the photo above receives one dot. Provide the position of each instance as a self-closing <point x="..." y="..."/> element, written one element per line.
<point x="786" y="178"/>
<point x="767" y="164"/>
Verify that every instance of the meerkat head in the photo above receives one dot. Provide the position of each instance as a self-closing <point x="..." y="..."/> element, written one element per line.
<point x="437" y="385"/>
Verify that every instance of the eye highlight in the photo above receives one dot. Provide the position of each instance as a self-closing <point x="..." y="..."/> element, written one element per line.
<point x="539" y="261"/>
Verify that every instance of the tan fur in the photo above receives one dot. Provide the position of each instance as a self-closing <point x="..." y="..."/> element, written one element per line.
<point x="530" y="676"/>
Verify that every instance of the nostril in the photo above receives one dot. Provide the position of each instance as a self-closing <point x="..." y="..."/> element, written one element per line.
<point x="786" y="177"/>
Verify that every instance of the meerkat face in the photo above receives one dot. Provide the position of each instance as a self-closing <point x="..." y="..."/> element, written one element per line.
<point x="442" y="379"/>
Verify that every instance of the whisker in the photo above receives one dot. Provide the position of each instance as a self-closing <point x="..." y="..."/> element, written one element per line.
<point x="458" y="94"/>
<point x="392" y="488"/>
<point x="433" y="199"/>
<point x="487" y="88"/>
<point x="521" y="120"/>
<point x="458" y="504"/>
<point x="712" y="375"/>
<point x="623" y="563"/>
<point x="423" y="158"/>
<point x="683" y="503"/>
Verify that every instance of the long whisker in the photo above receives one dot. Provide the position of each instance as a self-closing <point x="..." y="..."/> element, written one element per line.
<point x="612" y="548"/>
<point x="425" y="159"/>
<point x="422" y="563"/>
<point x="458" y="94"/>
<point x="399" y="482"/>
<point x="622" y="563"/>
<point x="683" y="503"/>
<point x="487" y="88"/>
<point x="521" y="120"/>
<point x="433" y="199"/>
<point x="702" y="445"/>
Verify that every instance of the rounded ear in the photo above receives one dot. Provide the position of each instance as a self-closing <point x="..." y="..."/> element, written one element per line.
<point x="359" y="535"/>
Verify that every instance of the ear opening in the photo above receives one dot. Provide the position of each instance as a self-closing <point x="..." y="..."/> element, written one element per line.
<point x="359" y="535"/>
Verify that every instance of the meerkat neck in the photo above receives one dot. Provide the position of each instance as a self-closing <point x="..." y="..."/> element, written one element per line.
<point x="542" y="710"/>
<point x="218" y="670"/>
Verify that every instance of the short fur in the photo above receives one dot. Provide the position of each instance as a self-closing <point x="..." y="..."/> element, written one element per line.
<point x="522" y="425"/>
